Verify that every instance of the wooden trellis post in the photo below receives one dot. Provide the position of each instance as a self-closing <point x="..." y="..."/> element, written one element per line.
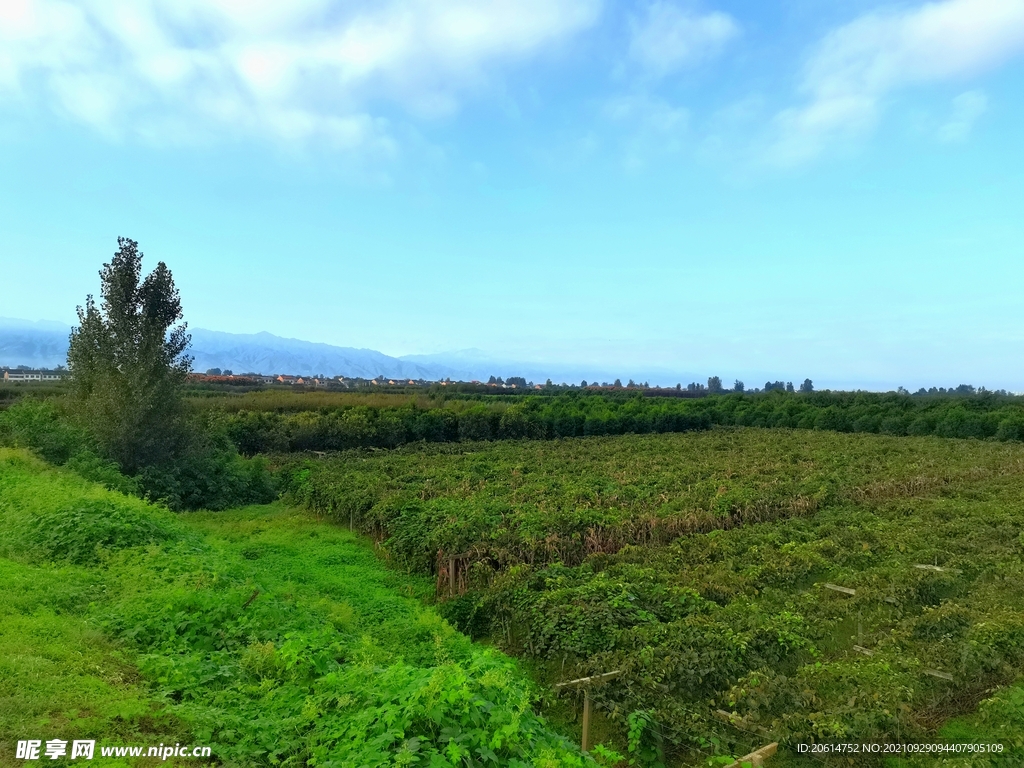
<point x="585" y="683"/>
<point x="757" y="757"/>
<point x="453" y="571"/>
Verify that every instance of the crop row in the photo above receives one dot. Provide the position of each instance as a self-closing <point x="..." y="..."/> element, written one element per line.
<point x="570" y="554"/>
<point x="330" y="423"/>
<point x="353" y="427"/>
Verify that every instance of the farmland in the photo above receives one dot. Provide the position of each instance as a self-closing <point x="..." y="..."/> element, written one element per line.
<point x="750" y="578"/>
<point x="750" y="584"/>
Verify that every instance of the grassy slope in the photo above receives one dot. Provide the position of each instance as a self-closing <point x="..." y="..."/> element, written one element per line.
<point x="59" y="676"/>
<point x="258" y="632"/>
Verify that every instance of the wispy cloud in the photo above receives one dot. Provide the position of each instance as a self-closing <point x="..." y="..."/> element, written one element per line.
<point x="653" y="126"/>
<point x="288" y="70"/>
<point x="967" y="108"/>
<point x="852" y="70"/>
<point x="667" y="37"/>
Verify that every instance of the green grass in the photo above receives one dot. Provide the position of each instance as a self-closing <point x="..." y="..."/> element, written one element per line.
<point x="271" y="638"/>
<point x="62" y="678"/>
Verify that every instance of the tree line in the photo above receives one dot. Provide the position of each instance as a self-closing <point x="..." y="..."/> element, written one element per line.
<point x="581" y="414"/>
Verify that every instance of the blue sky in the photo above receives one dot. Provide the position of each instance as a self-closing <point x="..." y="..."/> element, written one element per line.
<point x="754" y="190"/>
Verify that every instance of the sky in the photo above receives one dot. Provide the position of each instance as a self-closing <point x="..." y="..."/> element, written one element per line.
<point x="766" y="190"/>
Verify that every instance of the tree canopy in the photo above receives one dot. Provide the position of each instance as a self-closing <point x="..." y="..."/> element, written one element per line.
<point x="128" y="359"/>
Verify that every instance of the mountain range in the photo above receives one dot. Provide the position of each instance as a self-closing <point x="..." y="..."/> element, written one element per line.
<point x="44" y="344"/>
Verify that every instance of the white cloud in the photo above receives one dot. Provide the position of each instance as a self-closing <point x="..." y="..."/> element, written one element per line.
<point x="668" y="38"/>
<point x="854" y="68"/>
<point x="290" y="70"/>
<point x="967" y="108"/>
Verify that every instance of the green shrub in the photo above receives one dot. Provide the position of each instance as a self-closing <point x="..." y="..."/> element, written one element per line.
<point x="44" y="427"/>
<point x="99" y="470"/>
<point x="211" y="479"/>
<point x="81" y="531"/>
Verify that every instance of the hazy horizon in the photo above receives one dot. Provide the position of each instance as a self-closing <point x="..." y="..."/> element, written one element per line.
<point x="479" y="364"/>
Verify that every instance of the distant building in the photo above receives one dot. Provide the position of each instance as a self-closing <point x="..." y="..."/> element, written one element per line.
<point x="24" y="375"/>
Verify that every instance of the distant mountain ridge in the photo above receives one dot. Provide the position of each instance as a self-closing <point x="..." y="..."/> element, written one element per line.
<point x="44" y="344"/>
<point x="266" y="353"/>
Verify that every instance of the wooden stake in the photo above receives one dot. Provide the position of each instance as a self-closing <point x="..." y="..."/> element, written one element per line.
<point x="589" y="680"/>
<point x="585" y="741"/>
<point x="586" y="682"/>
<point x="837" y="588"/>
<point x="757" y="757"/>
<point x="936" y="568"/>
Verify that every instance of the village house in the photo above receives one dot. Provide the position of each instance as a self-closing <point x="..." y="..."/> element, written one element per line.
<point x="15" y="375"/>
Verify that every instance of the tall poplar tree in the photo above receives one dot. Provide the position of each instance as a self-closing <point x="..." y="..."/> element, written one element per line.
<point x="128" y="360"/>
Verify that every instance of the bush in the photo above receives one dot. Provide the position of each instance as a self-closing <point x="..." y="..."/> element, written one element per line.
<point x="107" y="473"/>
<point x="79" y="532"/>
<point x="206" y="472"/>
<point x="42" y="426"/>
<point x="209" y="479"/>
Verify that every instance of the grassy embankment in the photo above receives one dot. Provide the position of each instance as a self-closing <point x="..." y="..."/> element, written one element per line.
<point x="697" y="564"/>
<point x="260" y="632"/>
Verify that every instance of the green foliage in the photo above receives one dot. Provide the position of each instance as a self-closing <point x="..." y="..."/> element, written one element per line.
<point x="80" y="532"/>
<point x="645" y="744"/>
<point x="127" y="362"/>
<point x="696" y="563"/>
<point x="209" y="474"/>
<point x="998" y="720"/>
<point x="355" y="426"/>
<point x="44" y="427"/>
<point x="270" y="637"/>
<point x="543" y="502"/>
<point x="269" y="422"/>
<point x="59" y="675"/>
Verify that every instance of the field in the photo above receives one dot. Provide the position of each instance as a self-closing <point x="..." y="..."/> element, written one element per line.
<point x="697" y="564"/>
<point x="272" y="638"/>
<point x="751" y="581"/>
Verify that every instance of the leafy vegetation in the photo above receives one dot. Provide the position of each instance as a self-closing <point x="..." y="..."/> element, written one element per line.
<point x="123" y="420"/>
<point x="127" y="363"/>
<point x="268" y="636"/>
<point x="266" y="422"/>
<point x="354" y="426"/>
<point x="573" y="555"/>
<point x="209" y="474"/>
